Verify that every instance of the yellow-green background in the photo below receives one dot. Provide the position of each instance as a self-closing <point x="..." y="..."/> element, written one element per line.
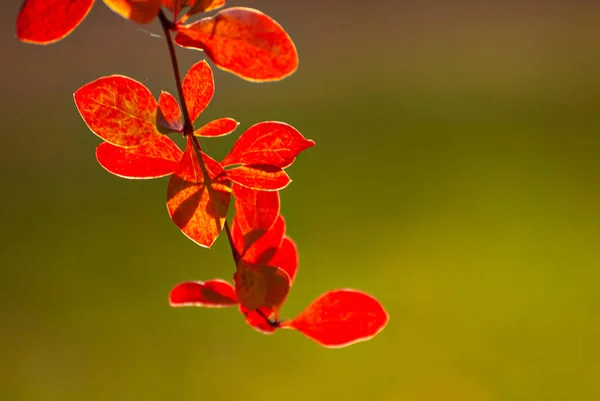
<point x="456" y="177"/>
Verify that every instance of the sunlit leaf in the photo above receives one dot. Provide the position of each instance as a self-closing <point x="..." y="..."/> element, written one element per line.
<point x="255" y="211"/>
<point x="260" y="249"/>
<point x="340" y="318"/>
<point x="155" y="158"/>
<point x="169" y="113"/>
<point x="243" y="41"/>
<point x="196" y="204"/>
<point x="261" y="286"/>
<point x="286" y="258"/>
<point x="47" y="21"/>
<point x="140" y="11"/>
<point x="269" y="142"/>
<point x="119" y="110"/>
<point x="198" y="88"/>
<point x="219" y="127"/>
<point x="260" y="177"/>
<point x="211" y="294"/>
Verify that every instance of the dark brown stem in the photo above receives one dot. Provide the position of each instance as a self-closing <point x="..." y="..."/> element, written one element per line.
<point x="273" y="323"/>
<point x="188" y="130"/>
<point x="188" y="127"/>
<point x="234" y="252"/>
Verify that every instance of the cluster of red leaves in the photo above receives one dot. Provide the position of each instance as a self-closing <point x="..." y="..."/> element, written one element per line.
<point x="135" y="127"/>
<point x="265" y="272"/>
<point x="133" y="124"/>
<point x="241" y="40"/>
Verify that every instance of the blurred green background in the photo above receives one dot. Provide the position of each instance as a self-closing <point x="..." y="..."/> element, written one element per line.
<point x="455" y="177"/>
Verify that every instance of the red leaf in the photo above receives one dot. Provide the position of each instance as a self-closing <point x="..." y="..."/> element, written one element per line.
<point x="258" y="322"/>
<point x="260" y="177"/>
<point x="155" y="158"/>
<point x="243" y="41"/>
<point x="255" y="211"/>
<point x="269" y="142"/>
<point x="198" y="88"/>
<point x="169" y="113"/>
<point x="210" y="294"/>
<point x="198" y="205"/>
<point x="119" y="110"/>
<point x="261" y="286"/>
<point x="219" y="127"/>
<point x="286" y="258"/>
<point x="341" y="318"/>
<point x="47" y="21"/>
<point x="140" y="11"/>
<point x="263" y="246"/>
<point x="261" y="249"/>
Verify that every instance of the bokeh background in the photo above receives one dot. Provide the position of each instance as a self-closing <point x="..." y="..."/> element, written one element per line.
<point x="456" y="177"/>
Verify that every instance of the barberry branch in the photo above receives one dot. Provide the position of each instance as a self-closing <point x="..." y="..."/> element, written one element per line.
<point x="188" y="130"/>
<point x="254" y="46"/>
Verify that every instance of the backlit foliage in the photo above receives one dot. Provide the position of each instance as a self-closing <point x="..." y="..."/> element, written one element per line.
<point x="135" y="129"/>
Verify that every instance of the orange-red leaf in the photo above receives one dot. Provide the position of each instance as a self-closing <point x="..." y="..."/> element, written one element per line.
<point x="269" y="142"/>
<point x="286" y="258"/>
<point x="341" y="318"/>
<point x="211" y="294"/>
<point x="155" y="158"/>
<point x="119" y="110"/>
<point x="169" y="113"/>
<point x="261" y="286"/>
<point x="198" y="88"/>
<point x="219" y="127"/>
<point x="47" y="21"/>
<point x="140" y="11"/>
<point x="263" y="246"/>
<point x="260" y="177"/>
<point x="198" y="204"/>
<point x="255" y="211"/>
<point x="260" y="250"/>
<point x="243" y="41"/>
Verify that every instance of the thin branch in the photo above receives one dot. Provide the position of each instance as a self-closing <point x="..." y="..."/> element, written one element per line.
<point x="234" y="252"/>
<point x="273" y="323"/>
<point x="188" y="127"/>
<point x="188" y="130"/>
